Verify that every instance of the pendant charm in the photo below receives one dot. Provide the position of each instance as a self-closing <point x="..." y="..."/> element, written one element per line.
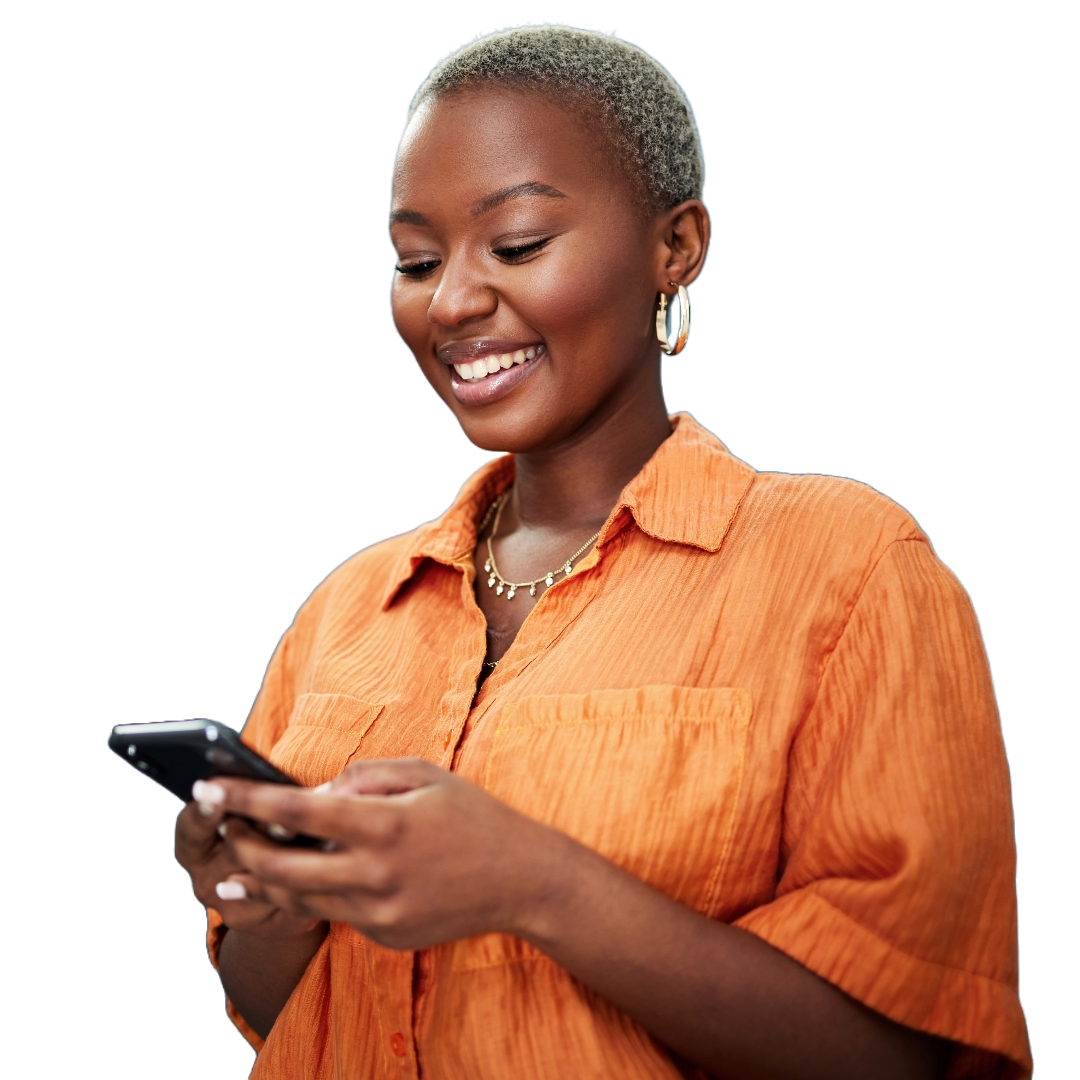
<point x="532" y="589"/>
<point x="499" y="590"/>
<point x="550" y="579"/>
<point x="487" y="567"/>
<point x="491" y="582"/>
<point x="512" y="593"/>
<point x="567" y="568"/>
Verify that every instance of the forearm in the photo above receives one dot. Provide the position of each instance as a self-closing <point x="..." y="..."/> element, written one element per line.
<point x="260" y="973"/>
<point x="722" y="997"/>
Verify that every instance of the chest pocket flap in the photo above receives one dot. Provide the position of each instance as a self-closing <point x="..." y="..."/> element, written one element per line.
<point x="649" y="777"/>
<point x="324" y="732"/>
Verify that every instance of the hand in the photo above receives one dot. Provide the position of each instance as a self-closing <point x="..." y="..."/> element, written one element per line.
<point x="202" y="852"/>
<point x="420" y="856"/>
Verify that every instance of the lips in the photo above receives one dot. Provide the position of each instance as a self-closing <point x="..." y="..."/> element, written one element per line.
<point x="485" y="371"/>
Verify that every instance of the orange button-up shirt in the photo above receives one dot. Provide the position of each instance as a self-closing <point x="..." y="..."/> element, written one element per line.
<point x="761" y="693"/>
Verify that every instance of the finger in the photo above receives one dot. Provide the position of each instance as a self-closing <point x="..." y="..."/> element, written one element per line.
<point x="240" y="885"/>
<point x="386" y="777"/>
<point x="208" y="801"/>
<point x="196" y="835"/>
<point x="304" y="870"/>
<point x="321" y="814"/>
<point x="244" y="890"/>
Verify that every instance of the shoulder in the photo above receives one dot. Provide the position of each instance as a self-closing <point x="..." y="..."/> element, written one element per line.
<point x="818" y="538"/>
<point x="812" y="510"/>
<point x="359" y="585"/>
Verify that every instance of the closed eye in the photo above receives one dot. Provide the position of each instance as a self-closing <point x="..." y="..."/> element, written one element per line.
<point x="417" y="269"/>
<point x="510" y="254"/>
<point x="520" y="252"/>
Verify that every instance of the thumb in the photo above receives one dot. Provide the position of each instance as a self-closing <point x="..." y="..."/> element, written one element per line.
<point x="386" y="777"/>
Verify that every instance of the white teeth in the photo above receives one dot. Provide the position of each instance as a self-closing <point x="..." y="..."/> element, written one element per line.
<point x="479" y="369"/>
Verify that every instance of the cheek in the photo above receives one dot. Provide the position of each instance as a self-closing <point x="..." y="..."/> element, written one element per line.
<point x="587" y="298"/>
<point x="402" y="313"/>
<point x="409" y="307"/>
<point x="410" y="310"/>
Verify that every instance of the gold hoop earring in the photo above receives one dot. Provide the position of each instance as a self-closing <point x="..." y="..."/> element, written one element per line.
<point x="673" y="343"/>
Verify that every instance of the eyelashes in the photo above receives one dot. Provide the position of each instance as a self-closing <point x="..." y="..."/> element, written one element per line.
<point x="507" y="254"/>
<point x="417" y="270"/>
<point x="516" y="254"/>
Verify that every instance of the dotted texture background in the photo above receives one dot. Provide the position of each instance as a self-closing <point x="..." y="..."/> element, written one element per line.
<point x="204" y="404"/>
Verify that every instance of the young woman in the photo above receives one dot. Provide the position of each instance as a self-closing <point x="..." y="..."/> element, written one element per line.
<point x="636" y="763"/>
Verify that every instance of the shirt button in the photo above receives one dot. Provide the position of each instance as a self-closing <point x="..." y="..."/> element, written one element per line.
<point x="446" y="741"/>
<point x="397" y="1044"/>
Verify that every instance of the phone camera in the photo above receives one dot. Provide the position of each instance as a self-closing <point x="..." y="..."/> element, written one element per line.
<point x="212" y="734"/>
<point x="132" y="751"/>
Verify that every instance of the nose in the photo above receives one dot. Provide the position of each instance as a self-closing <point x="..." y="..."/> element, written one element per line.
<point x="463" y="293"/>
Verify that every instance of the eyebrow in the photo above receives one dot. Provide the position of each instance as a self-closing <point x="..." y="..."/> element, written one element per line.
<point x="518" y="191"/>
<point x="486" y="204"/>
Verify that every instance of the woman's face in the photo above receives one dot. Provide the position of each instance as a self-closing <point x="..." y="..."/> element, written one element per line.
<point x="527" y="272"/>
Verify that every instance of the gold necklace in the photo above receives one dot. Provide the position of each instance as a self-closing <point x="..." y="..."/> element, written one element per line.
<point x="511" y="587"/>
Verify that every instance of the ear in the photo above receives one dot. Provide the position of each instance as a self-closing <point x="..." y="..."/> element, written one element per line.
<point x="682" y="244"/>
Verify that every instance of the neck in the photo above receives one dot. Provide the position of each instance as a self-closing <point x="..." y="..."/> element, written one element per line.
<point x="575" y="484"/>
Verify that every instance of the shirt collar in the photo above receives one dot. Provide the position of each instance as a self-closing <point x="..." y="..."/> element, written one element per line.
<point x="687" y="493"/>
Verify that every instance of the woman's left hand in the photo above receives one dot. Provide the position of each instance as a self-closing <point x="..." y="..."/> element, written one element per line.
<point x="420" y="856"/>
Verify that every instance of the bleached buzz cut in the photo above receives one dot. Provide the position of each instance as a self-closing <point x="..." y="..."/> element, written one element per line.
<point x="643" y="110"/>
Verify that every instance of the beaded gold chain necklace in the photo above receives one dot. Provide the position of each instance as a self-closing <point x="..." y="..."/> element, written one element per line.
<point x="511" y="587"/>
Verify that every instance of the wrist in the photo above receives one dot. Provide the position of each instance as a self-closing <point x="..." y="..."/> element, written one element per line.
<point x="283" y="943"/>
<point x="556" y="873"/>
<point x="280" y="931"/>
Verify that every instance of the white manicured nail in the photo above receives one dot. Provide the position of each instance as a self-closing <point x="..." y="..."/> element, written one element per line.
<point x="231" y="890"/>
<point x="206" y="792"/>
<point x="279" y="832"/>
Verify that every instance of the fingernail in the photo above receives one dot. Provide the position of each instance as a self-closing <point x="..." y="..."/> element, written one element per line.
<point x="221" y="829"/>
<point x="279" y="832"/>
<point x="324" y="787"/>
<point x="207" y="809"/>
<point x="231" y="890"/>
<point x="206" y="792"/>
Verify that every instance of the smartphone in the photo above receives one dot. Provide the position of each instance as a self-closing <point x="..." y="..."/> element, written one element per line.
<point x="176" y="753"/>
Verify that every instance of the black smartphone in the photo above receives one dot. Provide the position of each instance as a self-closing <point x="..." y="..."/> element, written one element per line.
<point x="176" y="753"/>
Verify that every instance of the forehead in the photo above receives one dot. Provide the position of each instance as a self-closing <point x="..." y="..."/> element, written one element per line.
<point x="468" y="144"/>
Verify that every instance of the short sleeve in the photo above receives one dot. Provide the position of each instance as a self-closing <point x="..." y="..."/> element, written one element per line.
<point x="267" y="719"/>
<point x="270" y="713"/>
<point x="899" y="879"/>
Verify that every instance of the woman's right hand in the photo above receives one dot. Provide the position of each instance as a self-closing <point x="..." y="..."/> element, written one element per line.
<point x="202" y="852"/>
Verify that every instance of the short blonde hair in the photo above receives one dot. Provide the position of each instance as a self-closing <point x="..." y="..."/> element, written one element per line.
<point x="643" y="108"/>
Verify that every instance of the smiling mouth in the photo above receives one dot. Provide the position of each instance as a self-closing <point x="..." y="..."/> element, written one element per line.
<point x="474" y="370"/>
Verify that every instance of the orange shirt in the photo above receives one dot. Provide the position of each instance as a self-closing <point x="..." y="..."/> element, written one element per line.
<point x="763" y="694"/>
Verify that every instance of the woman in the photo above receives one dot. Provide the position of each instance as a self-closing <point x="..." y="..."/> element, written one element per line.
<point x="636" y="763"/>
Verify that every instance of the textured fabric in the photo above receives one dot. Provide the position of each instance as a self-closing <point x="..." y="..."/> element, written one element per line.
<point x="762" y="694"/>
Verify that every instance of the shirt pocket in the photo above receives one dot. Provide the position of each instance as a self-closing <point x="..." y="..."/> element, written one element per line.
<point x="324" y="733"/>
<point x="648" y="777"/>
